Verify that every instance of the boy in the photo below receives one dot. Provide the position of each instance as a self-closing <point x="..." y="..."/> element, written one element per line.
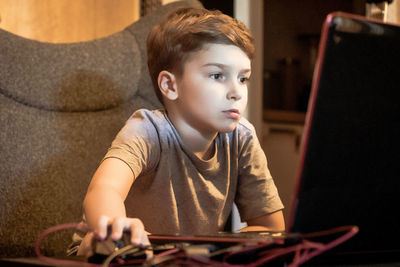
<point x="179" y="170"/>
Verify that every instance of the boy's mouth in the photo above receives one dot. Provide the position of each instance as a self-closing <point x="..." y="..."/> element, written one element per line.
<point x="232" y="113"/>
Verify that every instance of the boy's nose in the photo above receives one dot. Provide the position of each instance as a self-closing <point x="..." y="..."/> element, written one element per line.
<point x="235" y="91"/>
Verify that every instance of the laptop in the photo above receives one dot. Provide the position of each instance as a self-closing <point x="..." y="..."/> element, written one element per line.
<point x="350" y="163"/>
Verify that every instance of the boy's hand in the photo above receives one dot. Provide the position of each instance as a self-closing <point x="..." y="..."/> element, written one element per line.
<point x="118" y="225"/>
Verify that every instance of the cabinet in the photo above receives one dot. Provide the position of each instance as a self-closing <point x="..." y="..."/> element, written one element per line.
<point x="291" y="36"/>
<point x="281" y="144"/>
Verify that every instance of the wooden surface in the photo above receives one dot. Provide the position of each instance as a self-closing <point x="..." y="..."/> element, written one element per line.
<point x="65" y="21"/>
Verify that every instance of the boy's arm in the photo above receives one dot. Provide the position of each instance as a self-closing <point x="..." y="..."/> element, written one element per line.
<point x="104" y="201"/>
<point x="257" y="197"/>
<point x="269" y="222"/>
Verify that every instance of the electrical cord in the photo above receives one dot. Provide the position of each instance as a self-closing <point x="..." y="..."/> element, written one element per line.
<point x="54" y="261"/>
<point x="261" y="253"/>
<point x="123" y="251"/>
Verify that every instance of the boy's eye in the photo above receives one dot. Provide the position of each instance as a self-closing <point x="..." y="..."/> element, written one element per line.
<point x="243" y="79"/>
<point x="216" y="76"/>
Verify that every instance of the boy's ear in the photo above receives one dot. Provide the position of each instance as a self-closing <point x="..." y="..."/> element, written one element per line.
<point x="167" y="85"/>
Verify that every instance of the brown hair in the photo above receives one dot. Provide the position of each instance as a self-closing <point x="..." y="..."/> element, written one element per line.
<point x="187" y="30"/>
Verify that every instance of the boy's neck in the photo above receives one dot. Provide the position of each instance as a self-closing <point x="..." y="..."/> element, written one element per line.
<point x="208" y="153"/>
<point x="201" y="144"/>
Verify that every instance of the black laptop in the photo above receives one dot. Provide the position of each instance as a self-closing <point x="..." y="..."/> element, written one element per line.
<point x="350" y="164"/>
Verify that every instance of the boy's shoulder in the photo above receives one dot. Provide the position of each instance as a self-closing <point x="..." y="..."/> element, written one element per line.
<point x="144" y="122"/>
<point x="144" y="113"/>
<point x="147" y="117"/>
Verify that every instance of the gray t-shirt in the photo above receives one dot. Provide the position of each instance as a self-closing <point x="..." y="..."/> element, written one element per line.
<point x="175" y="192"/>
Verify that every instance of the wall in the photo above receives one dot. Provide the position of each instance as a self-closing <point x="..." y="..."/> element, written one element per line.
<point x="66" y="20"/>
<point x="251" y="14"/>
<point x="393" y="15"/>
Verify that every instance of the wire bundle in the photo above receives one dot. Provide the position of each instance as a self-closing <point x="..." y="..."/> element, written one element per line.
<point x="238" y="255"/>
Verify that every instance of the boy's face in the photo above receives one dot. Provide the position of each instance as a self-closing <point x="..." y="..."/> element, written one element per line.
<point x="213" y="89"/>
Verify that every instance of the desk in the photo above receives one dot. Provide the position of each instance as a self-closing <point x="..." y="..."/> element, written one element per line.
<point x="14" y="262"/>
<point x="35" y="262"/>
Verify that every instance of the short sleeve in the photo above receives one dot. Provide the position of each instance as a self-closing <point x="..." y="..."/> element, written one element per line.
<point x="137" y="144"/>
<point x="257" y="194"/>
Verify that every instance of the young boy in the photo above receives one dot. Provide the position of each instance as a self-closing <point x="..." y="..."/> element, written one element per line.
<point x="179" y="170"/>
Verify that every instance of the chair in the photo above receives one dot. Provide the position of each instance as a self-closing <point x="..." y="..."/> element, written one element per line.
<point x="61" y="105"/>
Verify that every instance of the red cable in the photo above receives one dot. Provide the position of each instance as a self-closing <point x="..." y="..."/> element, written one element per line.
<point x="352" y="230"/>
<point x="168" y="252"/>
<point x="304" y="247"/>
<point x="58" y="261"/>
<point x="302" y="251"/>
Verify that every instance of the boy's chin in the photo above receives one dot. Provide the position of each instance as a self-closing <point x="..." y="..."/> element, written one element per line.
<point x="227" y="129"/>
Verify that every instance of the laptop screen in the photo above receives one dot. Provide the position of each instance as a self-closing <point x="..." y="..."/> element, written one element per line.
<point x="350" y="167"/>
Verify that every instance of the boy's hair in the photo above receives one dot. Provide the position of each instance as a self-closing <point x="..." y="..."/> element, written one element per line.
<point x="187" y="30"/>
